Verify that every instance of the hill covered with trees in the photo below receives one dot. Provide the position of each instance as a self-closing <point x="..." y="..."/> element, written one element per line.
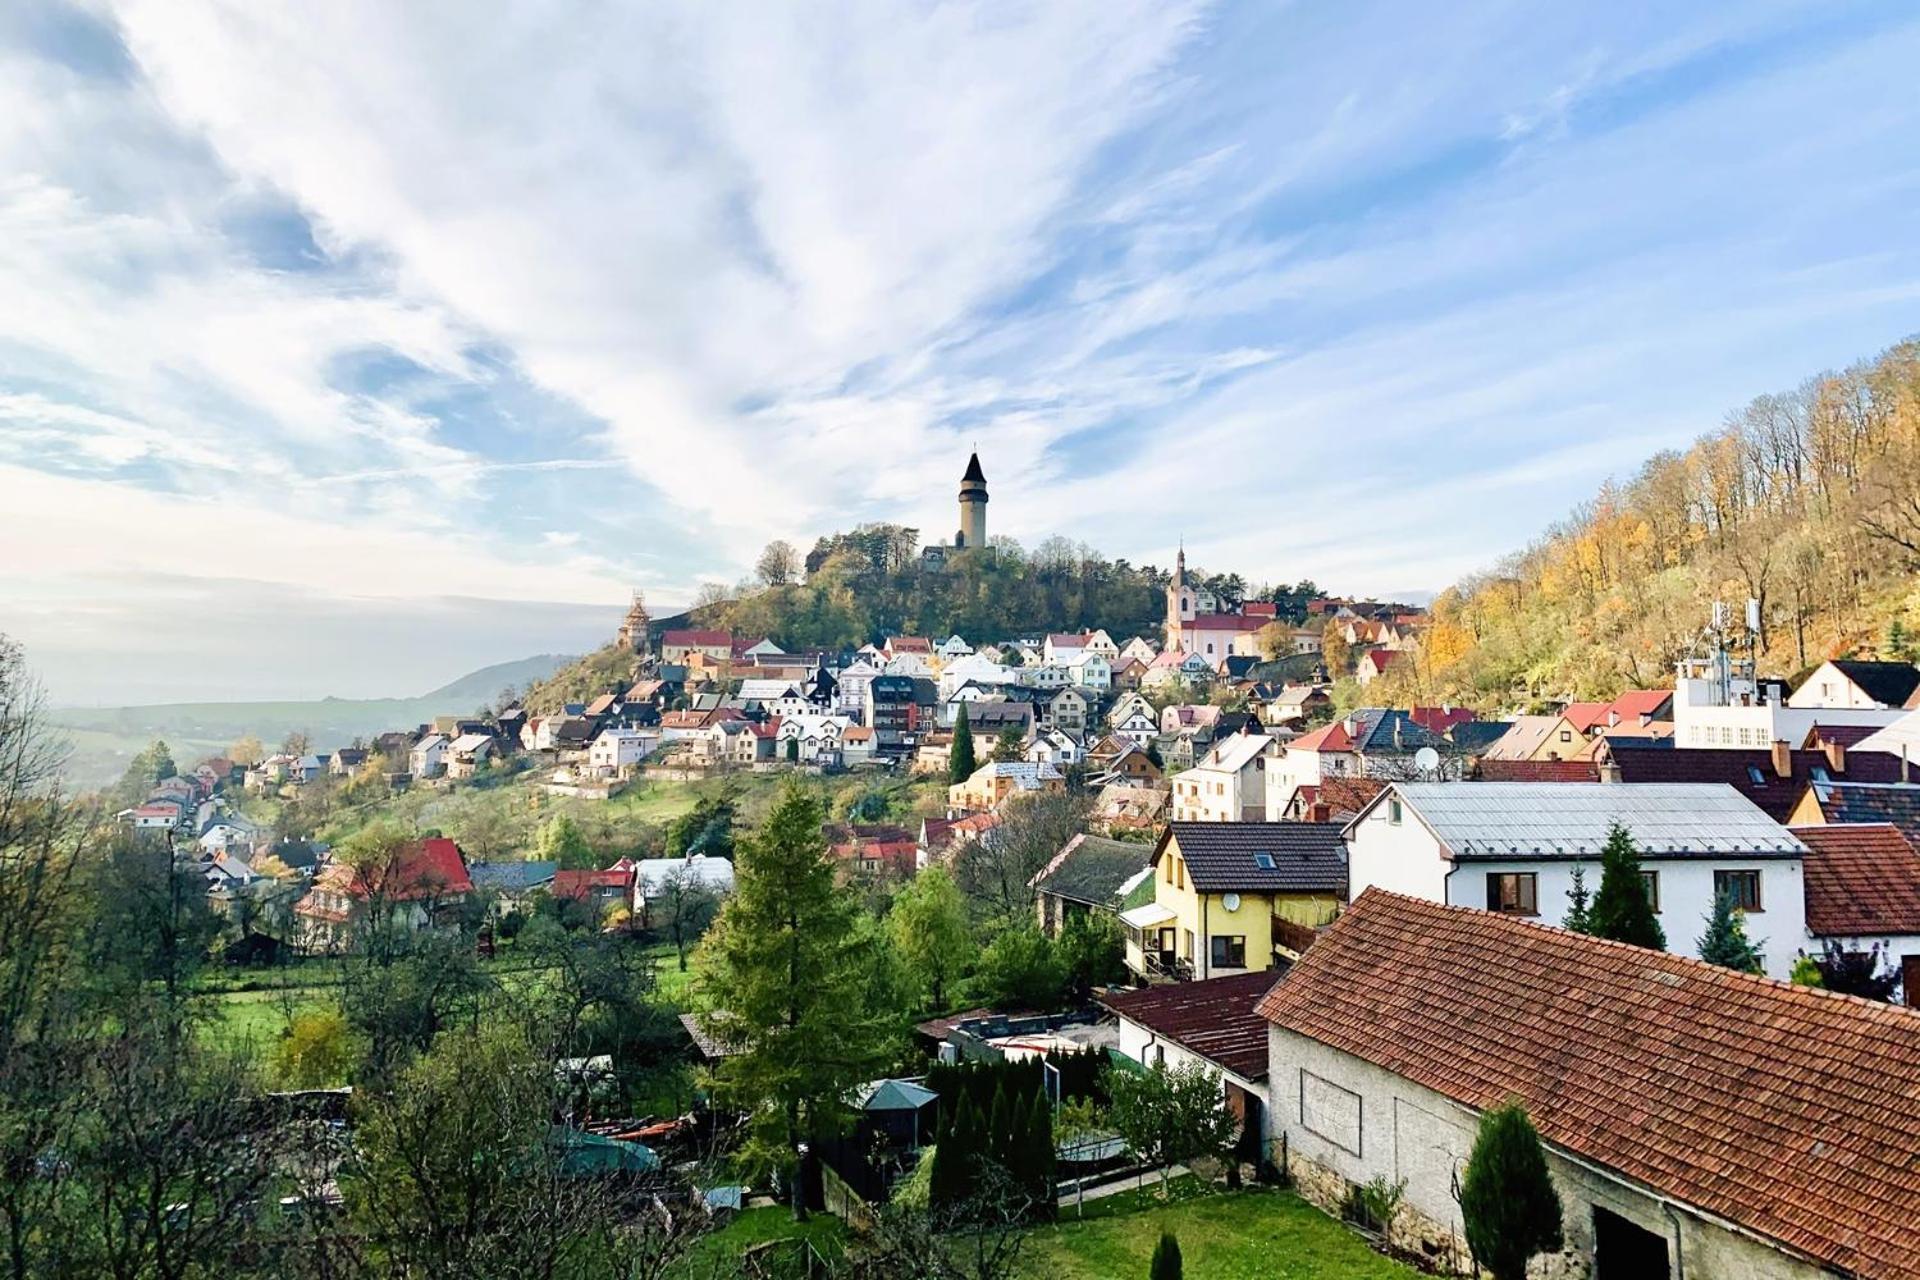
<point x="1807" y="501"/>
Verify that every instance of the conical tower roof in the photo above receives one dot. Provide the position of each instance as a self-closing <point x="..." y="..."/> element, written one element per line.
<point x="974" y="473"/>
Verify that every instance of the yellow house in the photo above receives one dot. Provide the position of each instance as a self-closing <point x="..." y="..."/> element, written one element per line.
<point x="1230" y="897"/>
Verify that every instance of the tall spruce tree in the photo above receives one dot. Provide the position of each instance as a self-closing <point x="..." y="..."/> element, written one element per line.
<point x="1620" y="909"/>
<point x="960" y="758"/>
<point x="952" y="1181"/>
<point x="786" y="979"/>
<point x="1039" y="1163"/>
<point x="1726" y="943"/>
<point x="1507" y="1200"/>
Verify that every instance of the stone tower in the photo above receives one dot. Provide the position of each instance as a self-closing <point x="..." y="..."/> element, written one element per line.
<point x="973" y="506"/>
<point x="1180" y="602"/>
<point x="634" y="637"/>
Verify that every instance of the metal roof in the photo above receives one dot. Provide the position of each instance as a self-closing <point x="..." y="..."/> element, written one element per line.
<point x="1571" y="819"/>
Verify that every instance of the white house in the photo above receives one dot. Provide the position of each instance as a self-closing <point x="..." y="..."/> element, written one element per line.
<point x="467" y="753"/>
<point x="952" y="647"/>
<point x="1051" y="746"/>
<point x="1139" y="648"/>
<point x="1091" y="670"/>
<point x="1048" y="675"/>
<point x="616" y="750"/>
<point x="1229" y="783"/>
<point x="1714" y="706"/>
<point x="815" y="734"/>
<point x="652" y="876"/>
<point x="1064" y="647"/>
<point x="1512" y="847"/>
<point x="1406" y="1019"/>
<point x="428" y="759"/>
<point x="854" y="679"/>
<point x="759" y="692"/>
<point x="965" y="694"/>
<point x="1877" y="686"/>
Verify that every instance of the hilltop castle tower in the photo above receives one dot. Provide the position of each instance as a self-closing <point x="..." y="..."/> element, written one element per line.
<point x="973" y="506"/>
<point x="633" y="630"/>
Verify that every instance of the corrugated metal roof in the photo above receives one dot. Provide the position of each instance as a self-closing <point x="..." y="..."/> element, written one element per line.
<point x="1571" y="819"/>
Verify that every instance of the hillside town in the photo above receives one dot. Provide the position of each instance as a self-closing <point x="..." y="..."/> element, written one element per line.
<point x="1680" y="927"/>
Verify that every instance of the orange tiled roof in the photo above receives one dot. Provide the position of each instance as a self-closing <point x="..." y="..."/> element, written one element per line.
<point x="1787" y="1111"/>
<point x="1863" y="880"/>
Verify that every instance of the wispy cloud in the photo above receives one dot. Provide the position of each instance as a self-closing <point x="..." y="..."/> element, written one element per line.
<point x="372" y="296"/>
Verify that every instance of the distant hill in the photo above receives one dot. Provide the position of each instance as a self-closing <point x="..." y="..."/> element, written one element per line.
<point x="105" y="738"/>
<point x="1804" y="501"/>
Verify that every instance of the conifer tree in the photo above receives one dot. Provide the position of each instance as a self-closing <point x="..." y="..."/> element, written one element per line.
<point x="1725" y="942"/>
<point x="1040" y="1154"/>
<point x="1579" y="917"/>
<point x="1620" y="909"/>
<point x="1507" y="1200"/>
<point x="953" y="1159"/>
<point x="1166" y="1258"/>
<point x="999" y="1143"/>
<point x="786" y="970"/>
<point x="960" y="759"/>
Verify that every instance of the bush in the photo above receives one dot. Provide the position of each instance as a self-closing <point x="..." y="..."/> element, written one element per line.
<point x="1166" y="1258"/>
<point x="1374" y="1203"/>
<point x="316" y="1052"/>
<point x="1022" y="970"/>
<point x="1507" y="1200"/>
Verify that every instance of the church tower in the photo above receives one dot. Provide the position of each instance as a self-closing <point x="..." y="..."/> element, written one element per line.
<point x="1180" y="602"/>
<point x="973" y="506"/>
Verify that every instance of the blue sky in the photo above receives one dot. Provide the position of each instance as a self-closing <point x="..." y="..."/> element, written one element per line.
<point x="343" y="347"/>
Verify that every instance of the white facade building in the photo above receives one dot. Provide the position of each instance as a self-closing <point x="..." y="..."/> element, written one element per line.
<point x="617" y="749"/>
<point x="1228" y="784"/>
<point x="1512" y="847"/>
<point x="1716" y="704"/>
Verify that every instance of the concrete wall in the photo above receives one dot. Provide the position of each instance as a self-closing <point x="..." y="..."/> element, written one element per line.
<point x="1348" y="1121"/>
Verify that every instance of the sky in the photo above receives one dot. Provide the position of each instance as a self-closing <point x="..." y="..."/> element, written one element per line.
<point x="346" y="347"/>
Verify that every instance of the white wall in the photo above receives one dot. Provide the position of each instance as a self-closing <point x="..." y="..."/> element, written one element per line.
<point x="1361" y="1121"/>
<point x="1138" y="1042"/>
<point x="1779" y="929"/>
<point x="1403" y="858"/>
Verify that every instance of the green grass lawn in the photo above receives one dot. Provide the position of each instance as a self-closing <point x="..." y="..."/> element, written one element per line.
<point x="1237" y="1235"/>
<point x="757" y="1226"/>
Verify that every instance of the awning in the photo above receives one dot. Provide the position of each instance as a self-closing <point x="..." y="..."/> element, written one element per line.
<point x="1146" y="917"/>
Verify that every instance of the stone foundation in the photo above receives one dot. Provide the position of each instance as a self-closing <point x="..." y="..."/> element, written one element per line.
<point x="1429" y="1243"/>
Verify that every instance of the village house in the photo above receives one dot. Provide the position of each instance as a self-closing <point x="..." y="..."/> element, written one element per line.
<point x="423" y="885"/>
<point x="1373" y="664"/>
<point x="1229" y="783"/>
<point x="1846" y="682"/>
<point x="682" y="646"/>
<point x="1512" y="847"/>
<point x="1090" y="670"/>
<point x="1678" y="1142"/>
<point x="428" y="759"/>
<point x="655" y="880"/>
<point x="468" y="754"/>
<point x="1776" y="780"/>
<point x="1826" y="801"/>
<point x="1054" y="747"/>
<point x="616" y="752"/>
<point x="1231" y="896"/>
<point x="991" y="717"/>
<point x="511" y="885"/>
<point x="993" y="783"/>
<point x="1213" y="1024"/>
<point x="1089" y="876"/>
<point x="872" y="848"/>
<point x="810" y="739"/>
<point x="1863" y="892"/>
<point x="601" y="893"/>
<point x="1553" y="737"/>
<point x="857" y="746"/>
<point x="1124" y="807"/>
<point x="1069" y="710"/>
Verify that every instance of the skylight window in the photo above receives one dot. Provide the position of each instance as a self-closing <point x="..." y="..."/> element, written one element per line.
<point x="1264" y="861"/>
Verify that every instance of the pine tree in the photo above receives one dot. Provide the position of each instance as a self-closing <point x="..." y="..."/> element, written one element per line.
<point x="1507" y="1200"/>
<point x="1166" y="1258"/>
<point x="1725" y="942"/>
<point x="1579" y="917"/>
<point x="1620" y="909"/>
<point x="960" y="758"/>
<point x="1010" y="746"/>
<point x="999" y="1144"/>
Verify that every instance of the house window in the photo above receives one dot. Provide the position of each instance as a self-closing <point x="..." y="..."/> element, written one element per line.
<point x="1229" y="952"/>
<point x="1650" y="880"/>
<point x="1513" y="893"/>
<point x="1393" y="812"/>
<point x="1566" y="735"/>
<point x="1264" y="861"/>
<point x="1741" y="886"/>
<point x="1755" y="776"/>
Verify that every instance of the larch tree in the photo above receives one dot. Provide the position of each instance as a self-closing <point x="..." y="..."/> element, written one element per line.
<point x="785" y="982"/>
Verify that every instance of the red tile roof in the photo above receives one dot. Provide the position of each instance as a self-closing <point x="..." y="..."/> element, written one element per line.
<point x="1260" y="609"/>
<point x="1497" y="770"/>
<point x="1862" y="881"/>
<point x="1216" y="1019"/>
<point x="422" y="870"/>
<point x="1328" y="737"/>
<point x="578" y="884"/>
<point x="909" y="644"/>
<point x="1381" y="658"/>
<point x="1635" y="703"/>
<point x="1787" y="1111"/>
<point x="1437" y="720"/>
<point x="698" y="640"/>
<point x="1584" y="715"/>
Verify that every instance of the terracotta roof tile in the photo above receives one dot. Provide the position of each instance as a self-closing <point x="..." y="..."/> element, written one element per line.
<point x="1863" y="881"/>
<point x="1216" y="1018"/>
<point x="1790" y="1112"/>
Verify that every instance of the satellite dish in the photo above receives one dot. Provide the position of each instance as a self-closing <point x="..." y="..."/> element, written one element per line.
<point x="1427" y="760"/>
<point x="1231" y="901"/>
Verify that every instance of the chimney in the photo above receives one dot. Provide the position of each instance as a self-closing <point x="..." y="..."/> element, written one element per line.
<point x="1319" y="811"/>
<point x="1836" y="755"/>
<point x="1782" y="758"/>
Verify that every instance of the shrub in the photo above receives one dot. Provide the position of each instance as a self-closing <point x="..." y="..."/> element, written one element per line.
<point x="1166" y="1258"/>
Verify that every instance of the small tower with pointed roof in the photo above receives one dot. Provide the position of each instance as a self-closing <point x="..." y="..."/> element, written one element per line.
<point x="973" y="506"/>
<point x="634" y="637"/>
